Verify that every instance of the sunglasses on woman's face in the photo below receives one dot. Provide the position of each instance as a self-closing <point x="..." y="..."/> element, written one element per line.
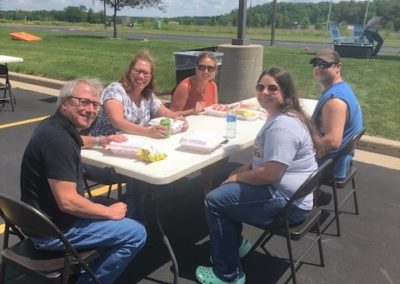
<point x="270" y="88"/>
<point x="322" y="65"/>
<point x="203" y="67"/>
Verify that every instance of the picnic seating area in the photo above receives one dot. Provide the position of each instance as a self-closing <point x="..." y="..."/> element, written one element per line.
<point x="355" y="46"/>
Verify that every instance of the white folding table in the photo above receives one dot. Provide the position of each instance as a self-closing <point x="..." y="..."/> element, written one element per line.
<point x="4" y="59"/>
<point x="180" y="162"/>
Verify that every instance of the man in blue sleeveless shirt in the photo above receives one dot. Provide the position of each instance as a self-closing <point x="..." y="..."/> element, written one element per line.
<point x="337" y="116"/>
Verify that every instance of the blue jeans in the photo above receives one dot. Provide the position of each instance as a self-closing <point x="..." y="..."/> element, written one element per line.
<point x="340" y="169"/>
<point x="123" y="239"/>
<point x="226" y="208"/>
<point x="374" y="36"/>
<point x="135" y="189"/>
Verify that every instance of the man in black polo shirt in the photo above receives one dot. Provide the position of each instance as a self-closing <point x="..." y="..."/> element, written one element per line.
<point x="51" y="181"/>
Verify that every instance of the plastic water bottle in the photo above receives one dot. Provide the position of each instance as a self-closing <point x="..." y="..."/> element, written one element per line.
<point x="230" y="126"/>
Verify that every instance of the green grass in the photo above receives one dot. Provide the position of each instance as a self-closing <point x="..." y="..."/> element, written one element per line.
<point x="65" y="57"/>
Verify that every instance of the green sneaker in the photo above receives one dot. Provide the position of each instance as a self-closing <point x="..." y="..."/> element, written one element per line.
<point x="205" y="275"/>
<point x="244" y="248"/>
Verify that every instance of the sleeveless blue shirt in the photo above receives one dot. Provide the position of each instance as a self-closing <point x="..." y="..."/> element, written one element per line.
<point x="353" y="125"/>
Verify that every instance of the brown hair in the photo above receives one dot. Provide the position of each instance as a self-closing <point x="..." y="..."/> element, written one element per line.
<point x="143" y="55"/>
<point x="291" y="103"/>
<point x="206" y="54"/>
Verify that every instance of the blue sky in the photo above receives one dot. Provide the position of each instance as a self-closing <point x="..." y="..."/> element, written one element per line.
<point x="174" y="7"/>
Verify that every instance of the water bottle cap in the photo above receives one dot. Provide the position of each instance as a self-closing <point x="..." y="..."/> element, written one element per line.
<point x="231" y="118"/>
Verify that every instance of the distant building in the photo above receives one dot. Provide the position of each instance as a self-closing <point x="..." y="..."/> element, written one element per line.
<point x="125" y="20"/>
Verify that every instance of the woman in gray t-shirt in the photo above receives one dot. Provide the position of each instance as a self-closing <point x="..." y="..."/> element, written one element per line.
<point x="283" y="158"/>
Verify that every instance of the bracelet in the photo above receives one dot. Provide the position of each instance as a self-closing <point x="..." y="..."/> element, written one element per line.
<point x="98" y="141"/>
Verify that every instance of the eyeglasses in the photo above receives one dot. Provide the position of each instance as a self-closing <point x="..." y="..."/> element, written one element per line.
<point x="86" y="102"/>
<point x="137" y="72"/>
<point x="270" y="88"/>
<point x="203" y="67"/>
<point x="322" y="64"/>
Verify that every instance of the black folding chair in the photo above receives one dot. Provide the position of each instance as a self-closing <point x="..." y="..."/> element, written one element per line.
<point x="5" y="86"/>
<point x="281" y="226"/>
<point x="22" y="220"/>
<point x="342" y="183"/>
<point x="91" y="181"/>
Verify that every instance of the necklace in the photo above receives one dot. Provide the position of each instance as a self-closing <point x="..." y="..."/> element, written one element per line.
<point x="200" y="90"/>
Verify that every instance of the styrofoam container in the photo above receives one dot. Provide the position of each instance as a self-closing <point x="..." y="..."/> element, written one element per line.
<point x="220" y="110"/>
<point x="201" y="141"/>
<point x="129" y="147"/>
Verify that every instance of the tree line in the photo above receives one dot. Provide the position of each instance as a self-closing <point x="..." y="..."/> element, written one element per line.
<point x="288" y="14"/>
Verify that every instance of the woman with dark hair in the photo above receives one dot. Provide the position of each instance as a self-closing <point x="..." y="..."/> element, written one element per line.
<point x="283" y="158"/>
<point x="194" y="93"/>
<point x="130" y="104"/>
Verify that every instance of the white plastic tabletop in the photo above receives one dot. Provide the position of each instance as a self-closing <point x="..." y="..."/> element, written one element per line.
<point x="179" y="162"/>
<point x="4" y="59"/>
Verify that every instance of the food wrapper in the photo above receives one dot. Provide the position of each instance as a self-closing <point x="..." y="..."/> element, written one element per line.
<point x="248" y="104"/>
<point x="201" y="141"/>
<point x="150" y="155"/>
<point x="176" y="125"/>
<point x="220" y="110"/>
<point x="246" y="114"/>
<point x="137" y="148"/>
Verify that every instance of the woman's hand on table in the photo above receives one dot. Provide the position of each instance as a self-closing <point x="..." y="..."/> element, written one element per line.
<point x="157" y="131"/>
<point x="200" y="106"/>
<point x="185" y="125"/>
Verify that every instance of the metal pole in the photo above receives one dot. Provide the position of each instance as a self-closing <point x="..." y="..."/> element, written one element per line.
<point x="366" y="14"/>
<point x="327" y="23"/>
<point x="273" y="23"/>
<point x="241" y="24"/>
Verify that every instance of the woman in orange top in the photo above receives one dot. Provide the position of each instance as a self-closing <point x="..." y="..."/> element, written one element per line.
<point x="193" y="94"/>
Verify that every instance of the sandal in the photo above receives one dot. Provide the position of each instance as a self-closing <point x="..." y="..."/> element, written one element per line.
<point x="205" y="275"/>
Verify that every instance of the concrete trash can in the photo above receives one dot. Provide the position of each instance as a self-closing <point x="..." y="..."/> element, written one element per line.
<point x="185" y="63"/>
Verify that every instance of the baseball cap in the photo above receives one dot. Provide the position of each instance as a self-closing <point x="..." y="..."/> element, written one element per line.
<point x="327" y="55"/>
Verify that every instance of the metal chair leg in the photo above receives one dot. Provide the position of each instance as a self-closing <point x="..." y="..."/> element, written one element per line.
<point x="291" y="260"/>
<point x="321" y="252"/>
<point x="353" y="183"/>
<point x="336" y="208"/>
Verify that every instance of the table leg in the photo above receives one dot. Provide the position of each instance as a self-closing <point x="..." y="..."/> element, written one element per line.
<point x="165" y="238"/>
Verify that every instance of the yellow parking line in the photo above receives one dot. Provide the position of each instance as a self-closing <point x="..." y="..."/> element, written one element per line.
<point x="95" y="192"/>
<point x="22" y="122"/>
<point x="102" y="189"/>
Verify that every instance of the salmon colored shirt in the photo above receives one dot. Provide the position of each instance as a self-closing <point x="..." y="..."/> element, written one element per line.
<point x="193" y="98"/>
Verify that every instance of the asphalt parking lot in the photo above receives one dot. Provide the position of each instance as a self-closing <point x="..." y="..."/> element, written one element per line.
<point x="367" y="252"/>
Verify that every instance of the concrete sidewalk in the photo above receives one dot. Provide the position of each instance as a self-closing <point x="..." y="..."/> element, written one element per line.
<point x="51" y="87"/>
